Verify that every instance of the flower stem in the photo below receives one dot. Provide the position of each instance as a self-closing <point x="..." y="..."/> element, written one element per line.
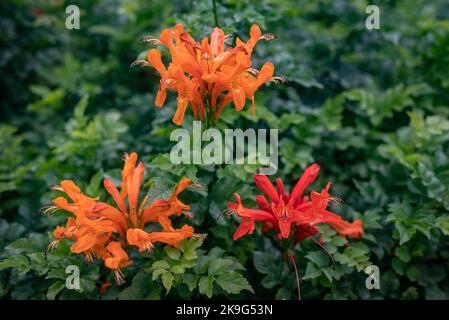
<point x="292" y="260"/>
<point x="214" y="8"/>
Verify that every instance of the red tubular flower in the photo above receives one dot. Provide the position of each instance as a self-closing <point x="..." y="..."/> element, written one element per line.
<point x="248" y="216"/>
<point x="292" y="213"/>
<point x="286" y="211"/>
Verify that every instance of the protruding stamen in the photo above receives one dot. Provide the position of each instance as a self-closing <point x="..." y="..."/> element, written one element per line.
<point x="57" y="188"/>
<point x="52" y="245"/>
<point x="140" y="63"/>
<point x="252" y="71"/>
<point x="151" y="39"/>
<point x="148" y="245"/>
<point x="49" y="210"/>
<point x="170" y="82"/>
<point x="89" y="256"/>
<point x="188" y="214"/>
<point x="119" y="277"/>
<point x="199" y="236"/>
<point x="335" y="200"/>
<point x="228" y="212"/>
<point x="277" y="80"/>
<point x="69" y="232"/>
<point x="228" y="36"/>
<point x="197" y="186"/>
<point x="268" y="36"/>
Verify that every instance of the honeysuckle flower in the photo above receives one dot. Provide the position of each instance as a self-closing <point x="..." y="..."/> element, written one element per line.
<point x="285" y="211"/>
<point x="206" y="75"/>
<point x="102" y="230"/>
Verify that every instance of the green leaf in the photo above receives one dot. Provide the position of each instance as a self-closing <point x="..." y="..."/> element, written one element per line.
<point x="410" y="294"/>
<point x="339" y="241"/>
<point x="233" y="282"/>
<point x="141" y="287"/>
<point x="54" y="289"/>
<point x="403" y="254"/>
<point x="157" y="273"/>
<point x="413" y="273"/>
<point x="178" y="269"/>
<point x="312" y="271"/>
<point x="173" y="253"/>
<point x="442" y="223"/>
<point x="38" y="262"/>
<point x="20" y="262"/>
<point x="319" y="258"/>
<point x="161" y="264"/>
<point x="270" y="281"/>
<point x="206" y="285"/>
<point x="188" y="248"/>
<point x="167" y="280"/>
<point x="219" y="265"/>
<point x="191" y="281"/>
<point x="405" y="233"/>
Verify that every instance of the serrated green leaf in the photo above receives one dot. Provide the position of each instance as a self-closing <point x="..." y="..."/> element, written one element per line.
<point x="173" y="253"/>
<point x="219" y="265"/>
<point x="233" y="282"/>
<point x="178" y="269"/>
<point x="206" y="286"/>
<point x="167" y="280"/>
<point x="161" y="264"/>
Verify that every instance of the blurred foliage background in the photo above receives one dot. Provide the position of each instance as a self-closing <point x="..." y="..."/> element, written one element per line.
<point x="369" y="106"/>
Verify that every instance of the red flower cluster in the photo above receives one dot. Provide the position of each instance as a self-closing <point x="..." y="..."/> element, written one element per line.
<point x="286" y="212"/>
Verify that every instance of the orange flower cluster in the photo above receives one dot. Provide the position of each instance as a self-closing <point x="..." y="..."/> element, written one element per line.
<point x="206" y="75"/>
<point x="101" y="230"/>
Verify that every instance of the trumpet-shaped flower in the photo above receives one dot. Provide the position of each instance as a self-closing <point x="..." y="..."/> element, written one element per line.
<point x="102" y="230"/>
<point x="206" y="75"/>
<point x="284" y="212"/>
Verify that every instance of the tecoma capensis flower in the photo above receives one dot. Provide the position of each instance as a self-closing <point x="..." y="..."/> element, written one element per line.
<point x="292" y="213"/>
<point x="104" y="231"/>
<point x="206" y="75"/>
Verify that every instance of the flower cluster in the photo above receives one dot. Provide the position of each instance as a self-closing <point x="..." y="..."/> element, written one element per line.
<point x="207" y="75"/>
<point x="101" y="230"/>
<point x="292" y="213"/>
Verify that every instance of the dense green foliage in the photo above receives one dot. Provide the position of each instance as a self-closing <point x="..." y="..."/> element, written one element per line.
<point x="369" y="106"/>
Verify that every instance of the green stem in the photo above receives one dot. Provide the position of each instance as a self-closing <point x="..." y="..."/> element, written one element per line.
<point x="214" y="7"/>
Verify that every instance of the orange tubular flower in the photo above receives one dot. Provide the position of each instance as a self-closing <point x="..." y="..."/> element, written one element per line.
<point x="102" y="230"/>
<point x="117" y="260"/>
<point x="287" y="211"/>
<point x="205" y="74"/>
